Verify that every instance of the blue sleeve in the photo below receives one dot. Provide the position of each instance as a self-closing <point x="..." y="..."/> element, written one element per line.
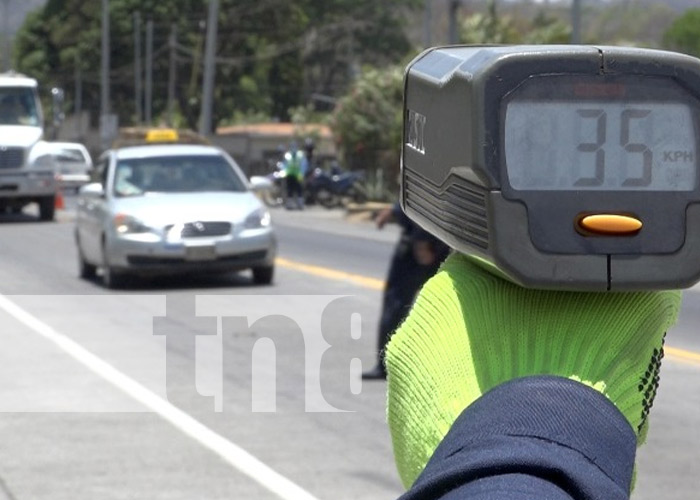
<point x="533" y="438"/>
<point x="401" y="218"/>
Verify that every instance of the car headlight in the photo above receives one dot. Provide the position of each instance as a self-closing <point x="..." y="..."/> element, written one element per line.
<point x="257" y="219"/>
<point x="126" y="224"/>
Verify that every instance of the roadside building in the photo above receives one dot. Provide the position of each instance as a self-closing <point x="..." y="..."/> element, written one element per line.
<point x="257" y="147"/>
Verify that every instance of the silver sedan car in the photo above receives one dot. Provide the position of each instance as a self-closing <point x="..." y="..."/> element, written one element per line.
<point x="161" y="209"/>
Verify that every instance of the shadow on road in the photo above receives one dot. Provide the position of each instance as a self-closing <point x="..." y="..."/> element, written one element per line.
<point x="179" y="282"/>
<point x="20" y="218"/>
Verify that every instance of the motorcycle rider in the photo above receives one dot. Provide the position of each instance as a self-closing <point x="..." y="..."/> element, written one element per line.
<point x="309" y="147"/>
<point x="295" y="166"/>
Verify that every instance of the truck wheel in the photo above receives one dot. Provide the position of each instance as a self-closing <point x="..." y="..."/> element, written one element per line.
<point x="263" y="275"/>
<point x="47" y="208"/>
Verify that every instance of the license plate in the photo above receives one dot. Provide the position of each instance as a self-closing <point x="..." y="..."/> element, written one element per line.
<point x="205" y="252"/>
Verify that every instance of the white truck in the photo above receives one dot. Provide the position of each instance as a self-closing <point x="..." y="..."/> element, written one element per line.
<point x="27" y="172"/>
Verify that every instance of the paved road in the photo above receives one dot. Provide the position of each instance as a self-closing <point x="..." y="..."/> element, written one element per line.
<point x="67" y="433"/>
<point x="129" y="395"/>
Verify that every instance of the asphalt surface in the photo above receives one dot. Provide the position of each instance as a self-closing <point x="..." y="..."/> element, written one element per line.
<point x="128" y="394"/>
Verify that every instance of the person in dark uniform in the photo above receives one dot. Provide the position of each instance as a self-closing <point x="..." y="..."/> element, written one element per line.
<point x="309" y="148"/>
<point x="416" y="258"/>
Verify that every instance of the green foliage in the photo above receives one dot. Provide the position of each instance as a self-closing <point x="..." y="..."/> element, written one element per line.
<point x="368" y="120"/>
<point x="684" y="33"/>
<point x="305" y="115"/>
<point x="272" y="55"/>
<point x="547" y="29"/>
<point x="630" y="24"/>
<point x="488" y="28"/>
<point x="245" y="118"/>
<point x="492" y="27"/>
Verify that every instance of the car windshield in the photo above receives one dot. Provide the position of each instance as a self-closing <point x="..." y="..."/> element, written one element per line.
<point x="68" y="155"/>
<point x="18" y="106"/>
<point x="175" y="174"/>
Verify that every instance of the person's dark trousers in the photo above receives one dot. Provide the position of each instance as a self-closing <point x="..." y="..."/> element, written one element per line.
<point x="294" y="187"/>
<point x="295" y="191"/>
<point x="404" y="280"/>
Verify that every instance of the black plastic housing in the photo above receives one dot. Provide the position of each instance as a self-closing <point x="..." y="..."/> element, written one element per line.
<point x="454" y="177"/>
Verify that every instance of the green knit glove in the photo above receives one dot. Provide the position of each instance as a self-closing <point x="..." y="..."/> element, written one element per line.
<point x="470" y="331"/>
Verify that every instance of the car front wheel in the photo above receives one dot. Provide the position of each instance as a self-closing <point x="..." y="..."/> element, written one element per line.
<point x="85" y="270"/>
<point x="110" y="278"/>
<point x="263" y="275"/>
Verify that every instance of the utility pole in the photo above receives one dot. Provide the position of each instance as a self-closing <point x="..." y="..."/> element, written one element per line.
<point x="78" y="109"/>
<point x="576" y="21"/>
<point x="209" y="70"/>
<point x="172" y="73"/>
<point x="138" y="72"/>
<point x="105" y="131"/>
<point x="428" y="24"/>
<point x="454" y="7"/>
<point x="148" y="98"/>
<point x="353" y="67"/>
<point x="6" y="58"/>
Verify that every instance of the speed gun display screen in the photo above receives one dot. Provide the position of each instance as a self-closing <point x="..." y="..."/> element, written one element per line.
<point x="558" y="167"/>
<point x="562" y="133"/>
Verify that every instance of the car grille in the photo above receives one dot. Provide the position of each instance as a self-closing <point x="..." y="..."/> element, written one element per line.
<point x="203" y="229"/>
<point x="144" y="260"/>
<point x="11" y="157"/>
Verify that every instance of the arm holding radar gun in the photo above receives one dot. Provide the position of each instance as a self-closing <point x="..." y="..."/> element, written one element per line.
<point x="529" y="363"/>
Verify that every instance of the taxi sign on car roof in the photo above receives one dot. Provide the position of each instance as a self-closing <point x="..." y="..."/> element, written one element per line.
<point x="162" y="135"/>
<point x="141" y="136"/>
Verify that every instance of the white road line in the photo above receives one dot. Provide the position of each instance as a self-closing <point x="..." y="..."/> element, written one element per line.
<point x="227" y="450"/>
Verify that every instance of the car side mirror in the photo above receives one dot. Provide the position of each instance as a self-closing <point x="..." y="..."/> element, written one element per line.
<point x="92" y="190"/>
<point x="259" y="184"/>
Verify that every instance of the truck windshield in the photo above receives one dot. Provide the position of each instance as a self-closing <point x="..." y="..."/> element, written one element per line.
<point x="18" y="106"/>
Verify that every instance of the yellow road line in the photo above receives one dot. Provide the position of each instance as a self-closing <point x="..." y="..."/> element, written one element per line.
<point x="333" y="274"/>
<point x="673" y="353"/>
<point x="682" y="355"/>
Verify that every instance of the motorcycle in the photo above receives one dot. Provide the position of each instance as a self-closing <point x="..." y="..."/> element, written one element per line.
<point x="335" y="188"/>
<point x="275" y="195"/>
<point x="330" y="189"/>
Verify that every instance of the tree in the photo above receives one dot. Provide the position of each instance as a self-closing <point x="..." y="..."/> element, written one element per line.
<point x="492" y="27"/>
<point x="488" y="28"/>
<point x="367" y="123"/>
<point x="272" y="55"/>
<point x="66" y="35"/>
<point x="629" y="23"/>
<point x="344" y="35"/>
<point x="684" y="33"/>
<point x="546" y="28"/>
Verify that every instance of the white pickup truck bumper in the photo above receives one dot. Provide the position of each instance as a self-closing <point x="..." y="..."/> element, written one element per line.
<point x="29" y="185"/>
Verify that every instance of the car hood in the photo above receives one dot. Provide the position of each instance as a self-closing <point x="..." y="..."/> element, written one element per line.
<point x="162" y="209"/>
<point x="19" y="136"/>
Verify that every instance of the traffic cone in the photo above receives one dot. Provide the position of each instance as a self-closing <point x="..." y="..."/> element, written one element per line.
<point x="60" y="203"/>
